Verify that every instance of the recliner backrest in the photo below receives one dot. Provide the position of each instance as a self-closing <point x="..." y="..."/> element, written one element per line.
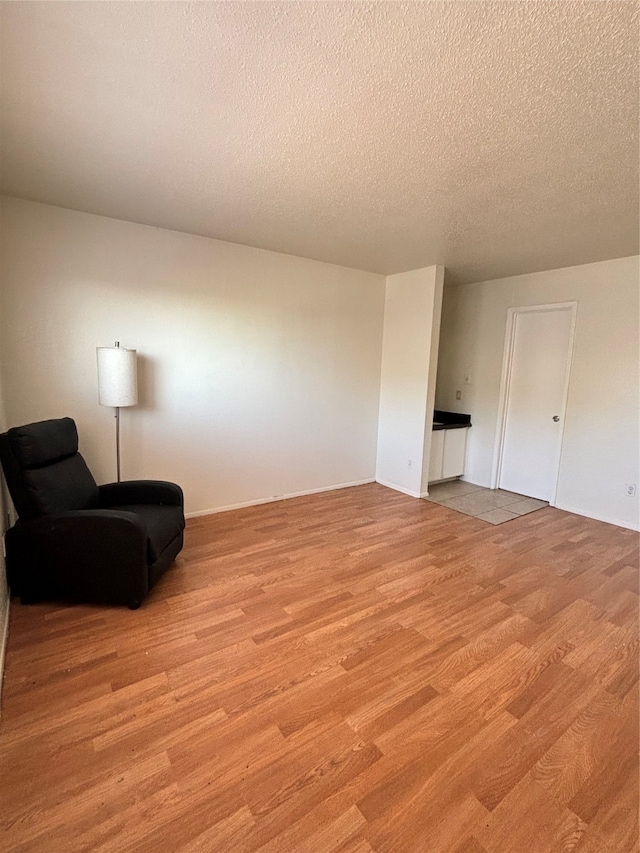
<point x="44" y="471"/>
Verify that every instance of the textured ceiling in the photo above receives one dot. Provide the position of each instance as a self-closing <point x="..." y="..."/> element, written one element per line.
<point x="495" y="138"/>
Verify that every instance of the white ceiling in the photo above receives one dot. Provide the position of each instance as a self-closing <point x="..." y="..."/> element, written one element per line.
<point x="495" y="138"/>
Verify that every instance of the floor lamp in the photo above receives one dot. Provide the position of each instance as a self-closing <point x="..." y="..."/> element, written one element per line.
<point x="117" y="383"/>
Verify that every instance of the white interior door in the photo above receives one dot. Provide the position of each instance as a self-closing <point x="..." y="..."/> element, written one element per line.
<point x="537" y="380"/>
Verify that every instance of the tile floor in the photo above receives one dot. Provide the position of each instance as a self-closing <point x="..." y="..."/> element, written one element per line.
<point x="493" y="505"/>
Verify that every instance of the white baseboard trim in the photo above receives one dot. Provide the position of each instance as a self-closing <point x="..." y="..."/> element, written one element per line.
<point x="399" y="489"/>
<point x="202" y="512"/>
<point x="629" y="525"/>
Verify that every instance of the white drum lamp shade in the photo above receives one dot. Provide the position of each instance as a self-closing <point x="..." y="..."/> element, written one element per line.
<point x="117" y="377"/>
<point x="117" y="384"/>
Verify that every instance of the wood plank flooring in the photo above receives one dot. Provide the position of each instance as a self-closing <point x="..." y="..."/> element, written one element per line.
<point x="354" y="671"/>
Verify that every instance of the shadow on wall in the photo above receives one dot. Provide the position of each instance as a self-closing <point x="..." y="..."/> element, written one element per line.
<point x="147" y="378"/>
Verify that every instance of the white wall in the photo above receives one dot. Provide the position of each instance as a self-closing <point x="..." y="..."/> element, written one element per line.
<point x="259" y="372"/>
<point x="601" y="437"/>
<point x="435" y="317"/>
<point x="409" y="349"/>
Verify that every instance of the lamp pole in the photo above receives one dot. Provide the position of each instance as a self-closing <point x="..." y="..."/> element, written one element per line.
<point x="117" y="384"/>
<point x="117" y="416"/>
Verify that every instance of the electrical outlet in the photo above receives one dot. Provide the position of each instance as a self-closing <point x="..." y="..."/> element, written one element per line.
<point x="631" y="490"/>
<point x="458" y="395"/>
<point x="409" y="464"/>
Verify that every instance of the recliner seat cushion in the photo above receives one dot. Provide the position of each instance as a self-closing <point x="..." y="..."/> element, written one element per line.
<point x="163" y="524"/>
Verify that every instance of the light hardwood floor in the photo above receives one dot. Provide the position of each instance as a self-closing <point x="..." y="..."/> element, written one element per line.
<point x="354" y="671"/>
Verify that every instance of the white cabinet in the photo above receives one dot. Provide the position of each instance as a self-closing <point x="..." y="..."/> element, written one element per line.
<point x="455" y="448"/>
<point x="448" y="449"/>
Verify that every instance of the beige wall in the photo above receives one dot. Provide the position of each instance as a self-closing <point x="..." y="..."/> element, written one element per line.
<point x="259" y="372"/>
<point x="600" y="442"/>
<point x="411" y="327"/>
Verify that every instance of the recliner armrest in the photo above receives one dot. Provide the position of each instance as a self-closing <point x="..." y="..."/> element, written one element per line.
<point x="141" y="492"/>
<point x="80" y="521"/>
<point x="98" y="554"/>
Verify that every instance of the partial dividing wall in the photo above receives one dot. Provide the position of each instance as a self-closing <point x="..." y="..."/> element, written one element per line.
<point x="601" y="436"/>
<point x="4" y="524"/>
<point x="259" y="372"/>
<point x="407" y="386"/>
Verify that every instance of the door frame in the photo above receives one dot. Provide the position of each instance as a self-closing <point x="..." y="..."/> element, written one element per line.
<point x="505" y="382"/>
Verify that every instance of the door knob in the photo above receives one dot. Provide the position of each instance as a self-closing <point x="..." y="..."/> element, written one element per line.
<point x="556" y="418"/>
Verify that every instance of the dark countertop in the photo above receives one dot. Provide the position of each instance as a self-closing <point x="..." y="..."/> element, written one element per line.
<point x="450" y="420"/>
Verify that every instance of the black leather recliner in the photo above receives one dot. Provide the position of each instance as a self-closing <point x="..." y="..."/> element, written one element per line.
<point x="75" y="539"/>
